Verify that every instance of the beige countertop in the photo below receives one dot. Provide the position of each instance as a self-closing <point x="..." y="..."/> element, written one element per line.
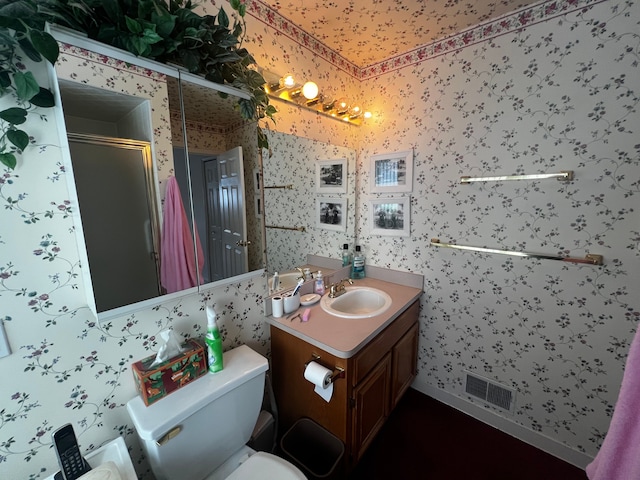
<point x="344" y="337"/>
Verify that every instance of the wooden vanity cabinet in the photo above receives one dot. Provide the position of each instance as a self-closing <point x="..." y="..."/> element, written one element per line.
<point x="374" y="380"/>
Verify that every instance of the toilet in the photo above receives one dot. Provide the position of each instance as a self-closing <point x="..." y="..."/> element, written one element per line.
<point x="200" y="431"/>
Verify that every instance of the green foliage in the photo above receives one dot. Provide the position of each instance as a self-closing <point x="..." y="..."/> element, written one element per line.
<point x="169" y="32"/>
<point x="21" y="28"/>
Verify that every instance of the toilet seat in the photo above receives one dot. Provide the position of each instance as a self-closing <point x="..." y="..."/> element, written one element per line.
<point x="266" y="466"/>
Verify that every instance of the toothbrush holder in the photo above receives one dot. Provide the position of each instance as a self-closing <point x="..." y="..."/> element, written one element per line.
<point x="291" y="302"/>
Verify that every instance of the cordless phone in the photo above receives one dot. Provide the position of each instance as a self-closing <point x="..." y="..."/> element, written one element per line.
<point x="72" y="464"/>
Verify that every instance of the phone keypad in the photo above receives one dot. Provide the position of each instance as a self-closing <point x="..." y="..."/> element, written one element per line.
<point x="72" y="464"/>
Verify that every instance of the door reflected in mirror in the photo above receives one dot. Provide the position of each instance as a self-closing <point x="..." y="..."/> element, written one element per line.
<point x="217" y="166"/>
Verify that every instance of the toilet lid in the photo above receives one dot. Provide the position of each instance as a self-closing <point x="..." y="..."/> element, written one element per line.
<point x="265" y="466"/>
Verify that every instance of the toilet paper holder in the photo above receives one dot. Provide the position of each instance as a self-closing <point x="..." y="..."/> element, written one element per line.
<point x="338" y="372"/>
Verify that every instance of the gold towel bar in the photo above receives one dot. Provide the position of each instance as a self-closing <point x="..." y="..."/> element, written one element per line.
<point x="298" y="229"/>
<point x="565" y="176"/>
<point x="591" y="259"/>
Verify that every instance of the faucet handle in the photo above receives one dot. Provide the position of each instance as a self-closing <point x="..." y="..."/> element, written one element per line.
<point x="338" y="288"/>
<point x="342" y="282"/>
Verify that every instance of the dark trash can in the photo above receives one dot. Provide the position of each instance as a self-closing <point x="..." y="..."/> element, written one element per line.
<point x="313" y="449"/>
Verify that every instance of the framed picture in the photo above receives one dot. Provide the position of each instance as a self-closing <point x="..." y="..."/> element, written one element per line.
<point x="331" y="176"/>
<point x="331" y="214"/>
<point x="390" y="216"/>
<point x="392" y="172"/>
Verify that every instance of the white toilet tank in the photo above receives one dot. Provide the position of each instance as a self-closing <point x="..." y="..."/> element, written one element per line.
<point x="189" y="433"/>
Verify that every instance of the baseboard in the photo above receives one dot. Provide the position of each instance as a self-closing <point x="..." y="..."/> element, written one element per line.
<point x="538" y="440"/>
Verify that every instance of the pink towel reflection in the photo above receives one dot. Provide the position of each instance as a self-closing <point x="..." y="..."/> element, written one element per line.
<point x="619" y="455"/>
<point x="177" y="262"/>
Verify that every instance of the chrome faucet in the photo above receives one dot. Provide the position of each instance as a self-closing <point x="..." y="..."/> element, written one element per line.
<point x="337" y="289"/>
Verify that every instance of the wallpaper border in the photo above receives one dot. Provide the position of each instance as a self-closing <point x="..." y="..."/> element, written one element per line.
<point x="503" y="25"/>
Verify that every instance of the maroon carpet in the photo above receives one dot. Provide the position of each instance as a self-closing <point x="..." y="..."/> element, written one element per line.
<point x="424" y="439"/>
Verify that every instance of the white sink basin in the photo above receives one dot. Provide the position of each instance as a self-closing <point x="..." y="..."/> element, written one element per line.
<point x="357" y="302"/>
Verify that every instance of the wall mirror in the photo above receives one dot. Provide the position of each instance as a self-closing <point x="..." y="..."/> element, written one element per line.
<point x="215" y="162"/>
<point x="213" y="157"/>
<point x="293" y="226"/>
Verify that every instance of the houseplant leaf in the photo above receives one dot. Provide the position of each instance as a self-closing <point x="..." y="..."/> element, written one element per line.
<point x="165" y="23"/>
<point x="28" y="49"/>
<point x="133" y="25"/>
<point x="14" y="115"/>
<point x="223" y="18"/>
<point x="247" y="108"/>
<point x="44" y="98"/>
<point x="19" y="138"/>
<point x="26" y="85"/>
<point x="13" y="11"/>
<point x="5" y="80"/>
<point x="8" y="159"/>
<point x="45" y="44"/>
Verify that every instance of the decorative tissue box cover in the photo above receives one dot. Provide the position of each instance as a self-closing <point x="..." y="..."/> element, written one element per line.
<point x="159" y="381"/>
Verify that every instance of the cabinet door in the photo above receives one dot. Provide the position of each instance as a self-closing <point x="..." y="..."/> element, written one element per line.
<point x="371" y="406"/>
<point x="404" y="364"/>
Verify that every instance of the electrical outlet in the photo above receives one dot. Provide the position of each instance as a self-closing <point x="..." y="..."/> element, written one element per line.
<point x="5" y="349"/>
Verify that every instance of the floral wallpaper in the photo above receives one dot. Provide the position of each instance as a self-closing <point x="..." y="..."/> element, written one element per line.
<point x="557" y="93"/>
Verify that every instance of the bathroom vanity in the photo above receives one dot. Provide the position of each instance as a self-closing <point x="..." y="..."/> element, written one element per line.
<point x="373" y="360"/>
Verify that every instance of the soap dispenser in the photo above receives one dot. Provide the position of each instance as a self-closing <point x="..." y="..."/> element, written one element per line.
<point x="319" y="284"/>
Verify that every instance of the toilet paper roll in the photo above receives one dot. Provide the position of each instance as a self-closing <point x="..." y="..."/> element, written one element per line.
<point x="277" y="307"/>
<point x="321" y="378"/>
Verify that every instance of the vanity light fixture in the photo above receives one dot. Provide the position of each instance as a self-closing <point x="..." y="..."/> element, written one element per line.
<point x="309" y="96"/>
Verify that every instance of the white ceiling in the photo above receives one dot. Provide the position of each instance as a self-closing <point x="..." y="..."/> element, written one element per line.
<point x="366" y="32"/>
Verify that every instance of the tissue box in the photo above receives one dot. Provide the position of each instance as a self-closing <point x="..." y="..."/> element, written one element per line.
<point x="159" y="381"/>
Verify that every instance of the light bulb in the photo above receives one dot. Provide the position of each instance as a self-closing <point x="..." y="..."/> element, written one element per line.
<point x="342" y="106"/>
<point x="288" y="81"/>
<point x="310" y="90"/>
